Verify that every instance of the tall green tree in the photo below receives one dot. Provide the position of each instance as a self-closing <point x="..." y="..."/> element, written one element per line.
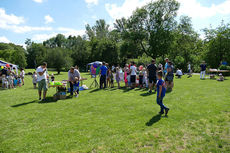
<point x="151" y="27"/>
<point x="217" y="42"/>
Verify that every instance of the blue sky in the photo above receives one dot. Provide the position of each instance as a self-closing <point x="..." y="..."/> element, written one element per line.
<point x="43" y="19"/>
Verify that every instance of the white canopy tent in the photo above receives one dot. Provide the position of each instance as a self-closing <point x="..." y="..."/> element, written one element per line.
<point x="3" y="63"/>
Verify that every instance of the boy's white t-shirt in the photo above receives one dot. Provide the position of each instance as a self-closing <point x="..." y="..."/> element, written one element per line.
<point x="41" y="77"/>
<point x="22" y="74"/>
<point x="134" y="69"/>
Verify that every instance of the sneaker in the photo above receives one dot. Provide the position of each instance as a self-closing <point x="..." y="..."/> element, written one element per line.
<point x="40" y="99"/>
<point x="166" y="111"/>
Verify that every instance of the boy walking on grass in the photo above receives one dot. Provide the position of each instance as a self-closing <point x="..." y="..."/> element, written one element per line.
<point x="161" y="89"/>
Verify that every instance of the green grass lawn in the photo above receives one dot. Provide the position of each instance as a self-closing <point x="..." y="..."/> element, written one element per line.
<point x="117" y="120"/>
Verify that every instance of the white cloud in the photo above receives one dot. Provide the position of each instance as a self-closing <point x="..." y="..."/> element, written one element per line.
<point x="126" y="9"/>
<point x="91" y="2"/>
<point x="192" y="8"/>
<point x="13" y="23"/>
<point x="9" y="19"/>
<point x="48" y="19"/>
<point x="61" y="30"/>
<point x="38" y="1"/>
<point x="43" y="37"/>
<point x="4" y="39"/>
<point x="25" y="29"/>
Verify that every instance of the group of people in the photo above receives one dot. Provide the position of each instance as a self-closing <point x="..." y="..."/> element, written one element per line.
<point x="10" y="78"/>
<point x="151" y="76"/>
<point x="142" y="76"/>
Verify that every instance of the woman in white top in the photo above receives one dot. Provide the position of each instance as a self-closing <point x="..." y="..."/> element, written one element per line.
<point x="22" y="75"/>
<point x="133" y="70"/>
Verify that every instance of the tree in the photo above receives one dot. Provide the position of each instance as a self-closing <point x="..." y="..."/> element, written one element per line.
<point x="151" y="27"/>
<point x="217" y="42"/>
<point x="59" y="58"/>
<point x="186" y="46"/>
<point x="13" y="53"/>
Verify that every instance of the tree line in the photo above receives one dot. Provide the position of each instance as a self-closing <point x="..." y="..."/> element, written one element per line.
<point x="152" y="31"/>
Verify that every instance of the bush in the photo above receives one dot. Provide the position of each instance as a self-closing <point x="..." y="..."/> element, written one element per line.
<point x="224" y="67"/>
<point x="141" y="60"/>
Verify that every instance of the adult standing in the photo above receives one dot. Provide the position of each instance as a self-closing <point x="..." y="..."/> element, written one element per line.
<point x="133" y="70"/>
<point x="22" y="75"/>
<point x="103" y="72"/>
<point x="189" y="70"/>
<point x="42" y="80"/>
<point x="152" y="75"/>
<point x="166" y="66"/>
<point x="203" y="69"/>
<point x="169" y="76"/>
<point x="74" y="76"/>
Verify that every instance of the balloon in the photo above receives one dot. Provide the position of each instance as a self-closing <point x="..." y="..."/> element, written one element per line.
<point x="141" y="68"/>
<point x="2" y="67"/>
<point x="7" y="65"/>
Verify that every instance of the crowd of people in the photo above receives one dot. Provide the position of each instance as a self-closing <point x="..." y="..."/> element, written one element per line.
<point x="150" y="77"/>
<point x="133" y="76"/>
<point x="10" y="78"/>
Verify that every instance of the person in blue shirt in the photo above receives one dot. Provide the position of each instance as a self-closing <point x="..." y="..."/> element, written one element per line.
<point x="203" y="69"/>
<point x="103" y="72"/>
<point x="161" y="90"/>
<point x="166" y="66"/>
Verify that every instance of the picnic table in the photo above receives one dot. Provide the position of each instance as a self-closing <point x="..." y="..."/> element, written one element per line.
<point x="216" y="71"/>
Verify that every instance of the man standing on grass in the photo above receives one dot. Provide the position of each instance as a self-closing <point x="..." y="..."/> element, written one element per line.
<point x="151" y="73"/>
<point x="189" y="70"/>
<point x="203" y="69"/>
<point x="103" y="72"/>
<point x="42" y="80"/>
<point x="74" y="77"/>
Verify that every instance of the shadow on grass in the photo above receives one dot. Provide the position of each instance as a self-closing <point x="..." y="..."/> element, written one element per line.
<point x="125" y="89"/>
<point x="147" y="94"/>
<point x="153" y="120"/>
<point x="48" y="100"/>
<point x="95" y="90"/>
<point x="26" y="103"/>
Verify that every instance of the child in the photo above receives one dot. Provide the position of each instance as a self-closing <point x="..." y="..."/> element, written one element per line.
<point x="108" y="82"/>
<point x="4" y="81"/>
<point x="112" y="79"/>
<point x="52" y="78"/>
<point x="221" y="77"/>
<point x="11" y="81"/>
<point x="22" y="75"/>
<point x="118" y="76"/>
<point x="76" y="88"/>
<point x="15" y="81"/>
<point x="141" y="76"/>
<point x="161" y="89"/>
<point x="19" y="81"/>
<point x="34" y="76"/>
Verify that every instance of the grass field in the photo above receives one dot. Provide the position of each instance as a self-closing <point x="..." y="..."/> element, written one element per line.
<point x="117" y="120"/>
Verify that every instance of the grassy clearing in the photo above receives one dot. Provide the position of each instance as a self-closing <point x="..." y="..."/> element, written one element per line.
<point x="117" y="120"/>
